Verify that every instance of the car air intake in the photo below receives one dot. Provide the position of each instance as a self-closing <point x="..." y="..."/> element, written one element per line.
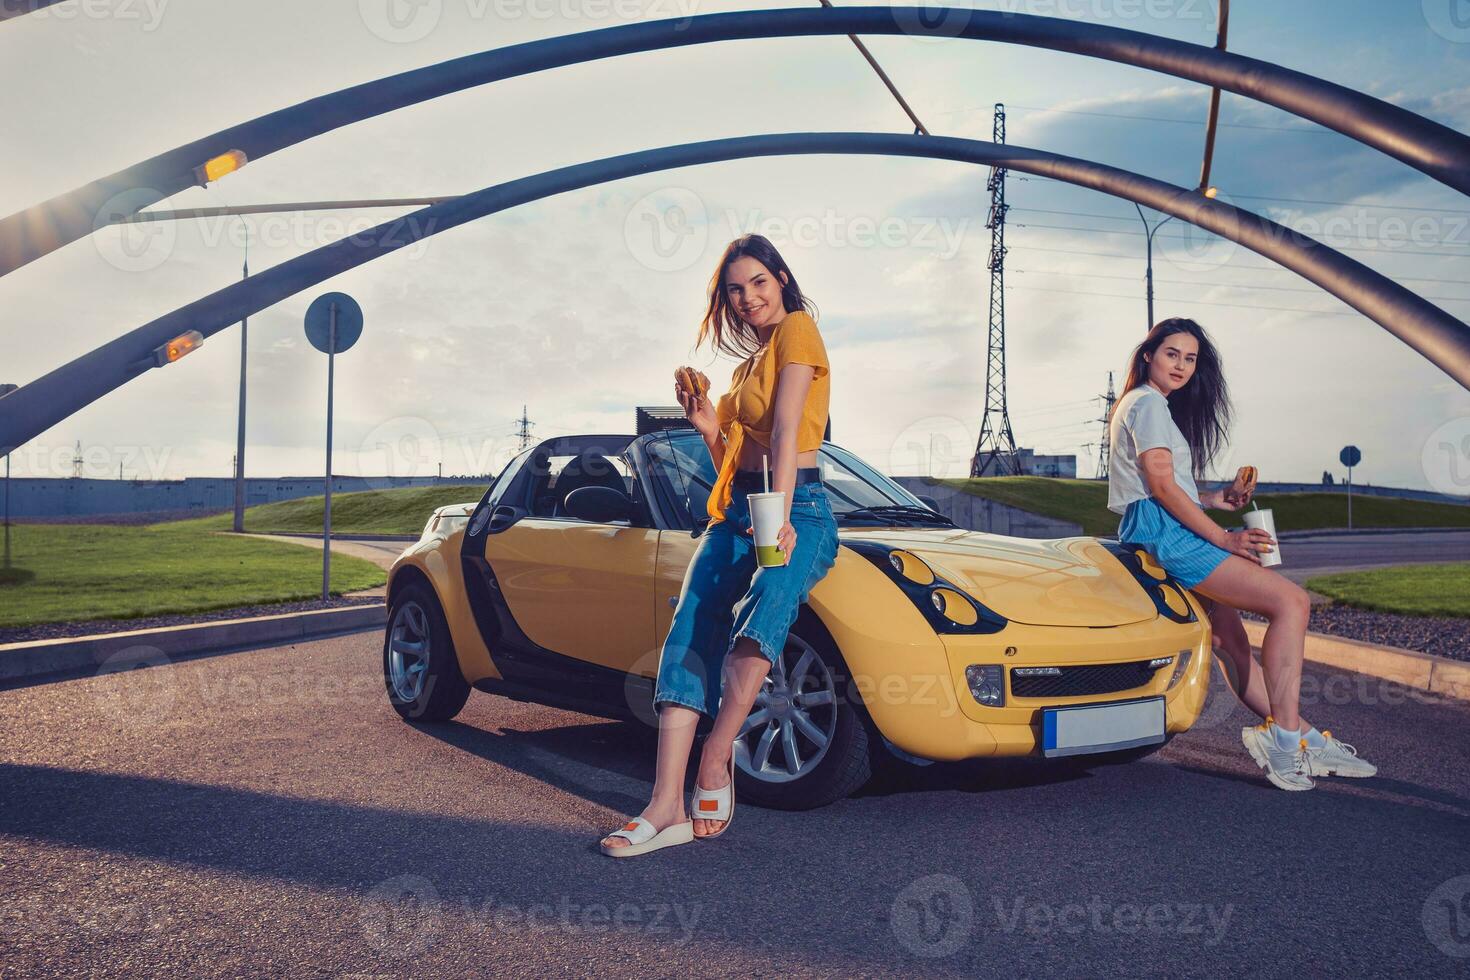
<point x="1069" y="682"/>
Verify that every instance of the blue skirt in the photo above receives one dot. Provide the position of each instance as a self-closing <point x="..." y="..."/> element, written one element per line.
<point x="1183" y="554"/>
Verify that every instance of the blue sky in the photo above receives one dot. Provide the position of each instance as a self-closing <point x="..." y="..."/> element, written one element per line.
<point x="579" y="306"/>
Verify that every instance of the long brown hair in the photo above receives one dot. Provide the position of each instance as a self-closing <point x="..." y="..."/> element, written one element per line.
<point x="1201" y="408"/>
<point x="728" y="329"/>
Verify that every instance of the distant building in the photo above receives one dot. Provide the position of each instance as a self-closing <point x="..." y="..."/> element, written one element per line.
<point x="652" y="418"/>
<point x="76" y="496"/>
<point x="1033" y="465"/>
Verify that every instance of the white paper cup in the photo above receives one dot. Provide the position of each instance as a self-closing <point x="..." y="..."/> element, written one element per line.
<point x="1263" y="519"/>
<point x="767" y="514"/>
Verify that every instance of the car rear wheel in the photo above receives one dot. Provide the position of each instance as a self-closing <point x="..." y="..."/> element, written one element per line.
<point x="420" y="669"/>
<point x="804" y="744"/>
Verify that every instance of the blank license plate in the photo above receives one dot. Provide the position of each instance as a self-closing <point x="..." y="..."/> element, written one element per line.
<point x="1084" y="728"/>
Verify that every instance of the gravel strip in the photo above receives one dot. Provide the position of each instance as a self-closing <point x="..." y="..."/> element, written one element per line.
<point x="1444" y="636"/>
<point x="51" y="631"/>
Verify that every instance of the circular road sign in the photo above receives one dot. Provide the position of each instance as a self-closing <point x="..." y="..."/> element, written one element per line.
<point x="319" y="320"/>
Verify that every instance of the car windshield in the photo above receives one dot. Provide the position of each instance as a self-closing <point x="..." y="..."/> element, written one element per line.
<point x="858" y="493"/>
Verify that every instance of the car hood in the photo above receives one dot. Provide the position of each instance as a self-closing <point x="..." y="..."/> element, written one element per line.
<point x="1057" y="582"/>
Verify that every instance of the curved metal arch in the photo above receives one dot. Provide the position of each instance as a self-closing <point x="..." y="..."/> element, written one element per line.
<point x="1437" y="150"/>
<point x="19" y="8"/>
<point x="1436" y="334"/>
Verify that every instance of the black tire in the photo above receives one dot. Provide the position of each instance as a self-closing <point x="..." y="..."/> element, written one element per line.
<point x="846" y="763"/>
<point x="443" y="690"/>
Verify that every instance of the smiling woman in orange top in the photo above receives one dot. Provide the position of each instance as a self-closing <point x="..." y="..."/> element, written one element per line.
<point x="722" y="643"/>
<point x="748" y="413"/>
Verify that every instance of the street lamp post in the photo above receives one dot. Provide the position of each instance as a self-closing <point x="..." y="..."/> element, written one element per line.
<point x="1149" y="252"/>
<point x="239" y="524"/>
<point x="6" y="389"/>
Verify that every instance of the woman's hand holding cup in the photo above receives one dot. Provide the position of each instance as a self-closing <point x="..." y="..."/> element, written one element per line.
<point x="785" y="540"/>
<point x="1249" y="543"/>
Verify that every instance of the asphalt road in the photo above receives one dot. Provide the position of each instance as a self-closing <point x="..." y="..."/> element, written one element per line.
<point x="266" y="813"/>
<point x="1346" y="552"/>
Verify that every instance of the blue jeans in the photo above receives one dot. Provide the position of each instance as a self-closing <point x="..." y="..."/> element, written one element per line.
<point x="726" y="595"/>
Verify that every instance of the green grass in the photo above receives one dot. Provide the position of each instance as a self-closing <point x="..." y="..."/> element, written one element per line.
<point x="399" y="511"/>
<point x="1415" y="590"/>
<point x="1086" y="502"/>
<point x="79" y="572"/>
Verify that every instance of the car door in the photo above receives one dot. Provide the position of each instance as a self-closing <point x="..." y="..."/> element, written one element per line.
<point x="576" y="588"/>
<point x="683" y="473"/>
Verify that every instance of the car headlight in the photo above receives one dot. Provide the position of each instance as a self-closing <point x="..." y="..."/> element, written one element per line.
<point x="987" y="684"/>
<point x="1162" y="588"/>
<point x="947" y="608"/>
<point x="1181" y="664"/>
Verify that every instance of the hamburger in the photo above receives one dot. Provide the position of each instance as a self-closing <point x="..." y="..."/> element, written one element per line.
<point x="1245" y="483"/>
<point x="691" y="381"/>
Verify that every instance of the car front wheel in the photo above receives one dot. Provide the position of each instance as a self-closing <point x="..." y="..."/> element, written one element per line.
<point x="420" y="668"/>
<point x="804" y="744"/>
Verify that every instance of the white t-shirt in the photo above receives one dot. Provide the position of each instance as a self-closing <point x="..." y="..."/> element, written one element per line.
<point x="1142" y="421"/>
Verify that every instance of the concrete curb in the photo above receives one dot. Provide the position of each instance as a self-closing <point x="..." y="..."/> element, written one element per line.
<point x="317" y="535"/>
<point x="72" y="655"/>
<point x="1426" y="672"/>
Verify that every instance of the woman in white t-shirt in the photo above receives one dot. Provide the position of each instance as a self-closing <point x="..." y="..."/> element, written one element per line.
<point x="1163" y="431"/>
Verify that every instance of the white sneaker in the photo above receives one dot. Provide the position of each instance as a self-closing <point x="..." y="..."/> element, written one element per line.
<point x="1337" y="758"/>
<point x="1285" y="768"/>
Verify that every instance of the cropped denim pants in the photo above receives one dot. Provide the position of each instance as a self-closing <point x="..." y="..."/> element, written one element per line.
<point x="726" y="595"/>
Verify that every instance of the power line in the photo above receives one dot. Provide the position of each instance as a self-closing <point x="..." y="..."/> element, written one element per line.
<point x="1230" y="285"/>
<point x="1233" y="261"/>
<point x="1162" y="119"/>
<point x="1351" y="204"/>
<point x="1201" y="302"/>
<point x="1182" y="238"/>
<point x="1119" y="217"/>
<point x="1292" y="200"/>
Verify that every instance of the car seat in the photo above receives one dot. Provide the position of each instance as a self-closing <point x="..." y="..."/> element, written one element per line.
<point x="587" y="469"/>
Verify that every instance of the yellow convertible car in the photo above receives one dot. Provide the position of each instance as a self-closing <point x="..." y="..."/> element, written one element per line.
<point x="925" y="641"/>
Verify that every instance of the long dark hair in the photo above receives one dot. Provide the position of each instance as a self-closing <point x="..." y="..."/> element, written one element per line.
<point x="722" y="322"/>
<point x="1201" y="408"/>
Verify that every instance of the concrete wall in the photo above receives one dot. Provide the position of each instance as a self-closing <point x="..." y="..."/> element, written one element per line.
<point x="60" y="497"/>
<point x="979" y="514"/>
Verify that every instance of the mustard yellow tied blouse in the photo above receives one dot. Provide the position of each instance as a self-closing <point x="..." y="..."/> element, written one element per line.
<point x="749" y="406"/>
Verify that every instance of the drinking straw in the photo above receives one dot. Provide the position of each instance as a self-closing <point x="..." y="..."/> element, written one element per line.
<point x="765" y="473"/>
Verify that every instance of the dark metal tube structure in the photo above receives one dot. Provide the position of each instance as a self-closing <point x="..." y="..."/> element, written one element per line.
<point x="1436" y="334"/>
<point x="1437" y="150"/>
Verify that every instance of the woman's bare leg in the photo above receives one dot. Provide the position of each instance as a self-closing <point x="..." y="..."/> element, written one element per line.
<point x="675" y="739"/>
<point x="1243" y="584"/>
<point x="1242" y="669"/>
<point x="745" y="669"/>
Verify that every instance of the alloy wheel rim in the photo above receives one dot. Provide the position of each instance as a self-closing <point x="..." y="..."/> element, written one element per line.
<point x="408" y="651"/>
<point x="794" y="718"/>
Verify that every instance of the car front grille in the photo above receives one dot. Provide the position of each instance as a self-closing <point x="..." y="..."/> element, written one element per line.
<point x="1078" y="681"/>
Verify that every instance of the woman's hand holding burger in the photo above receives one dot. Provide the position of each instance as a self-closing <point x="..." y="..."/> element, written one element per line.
<point x="690" y="387"/>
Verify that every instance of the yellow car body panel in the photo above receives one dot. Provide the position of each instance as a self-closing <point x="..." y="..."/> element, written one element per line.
<point x="601" y="593"/>
<point x="583" y="590"/>
<point x="1062" y="582"/>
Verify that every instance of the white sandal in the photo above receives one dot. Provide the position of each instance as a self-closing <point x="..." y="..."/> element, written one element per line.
<point x="714" y="804"/>
<point x="642" y="837"/>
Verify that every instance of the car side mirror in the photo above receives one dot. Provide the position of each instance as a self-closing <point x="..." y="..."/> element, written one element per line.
<point x="601" y="505"/>
<point x="929" y="502"/>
